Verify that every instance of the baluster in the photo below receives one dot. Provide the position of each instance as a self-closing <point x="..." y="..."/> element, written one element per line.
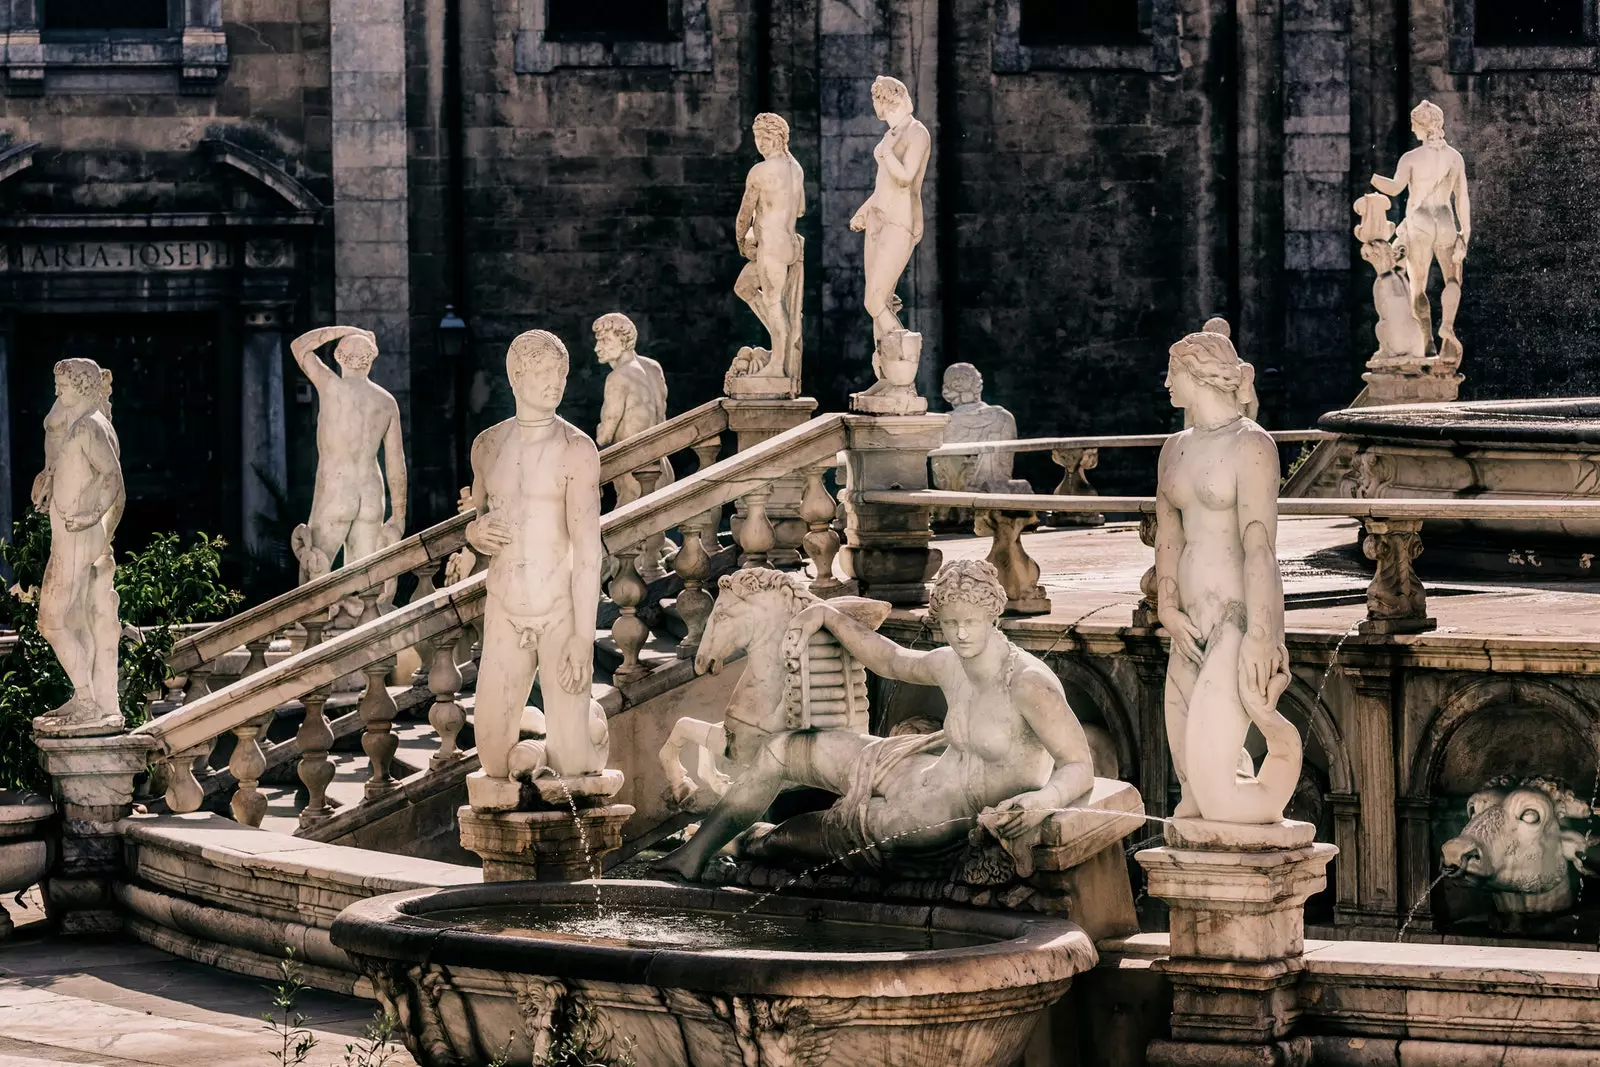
<point x="184" y="793"/>
<point x="315" y="738"/>
<point x="821" y="540"/>
<point x="369" y="604"/>
<point x="248" y="763"/>
<point x="378" y="710"/>
<point x="1144" y="613"/>
<point x="199" y="683"/>
<point x="258" y="655"/>
<point x="756" y="536"/>
<point x="629" y="631"/>
<point x="694" y="567"/>
<point x="425" y="588"/>
<point x="444" y="681"/>
<point x="1018" y="572"/>
<point x="649" y="562"/>
<point x="705" y="452"/>
<point x="1397" y="601"/>
<point x="1075" y="463"/>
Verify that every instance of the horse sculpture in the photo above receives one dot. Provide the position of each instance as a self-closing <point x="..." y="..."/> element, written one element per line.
<point x="752" y="614"/>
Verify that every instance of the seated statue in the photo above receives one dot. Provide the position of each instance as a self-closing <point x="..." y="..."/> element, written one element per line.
<point x="1011" y="751"/>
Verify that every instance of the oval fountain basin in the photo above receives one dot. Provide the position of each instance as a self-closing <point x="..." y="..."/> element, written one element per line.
<point x="687" y="979"/>
<point x="1493" y="449"/>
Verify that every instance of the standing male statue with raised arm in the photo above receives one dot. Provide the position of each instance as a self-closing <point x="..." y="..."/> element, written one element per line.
<point x="81" y="486"/>
<point x="536" y="487"/>
<point x="773" y="281"/>
<point x="357" y="417"/>
<point x="1438" y="223"/>
<point x="891" y="218"/>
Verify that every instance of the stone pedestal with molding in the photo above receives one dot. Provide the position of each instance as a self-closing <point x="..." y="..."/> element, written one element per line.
<point x="753" y="421"/>
<point x="886" y="547"/>
<point x="544" y="846"/>
<point x="92" y="781"/>
<point x="1237" y="896"/>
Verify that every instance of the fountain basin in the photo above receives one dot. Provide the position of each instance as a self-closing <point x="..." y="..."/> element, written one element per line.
<point x="1500" y="449"/>
<point x="24" y="844"/>
<point x="475" y="971"/>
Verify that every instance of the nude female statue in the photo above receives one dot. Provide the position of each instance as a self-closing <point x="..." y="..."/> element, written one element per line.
<point x="1011" y="749"/>
<point x="892" y="216"/>
<point x="1219" y="592"/>
<point x="82" y="488"/>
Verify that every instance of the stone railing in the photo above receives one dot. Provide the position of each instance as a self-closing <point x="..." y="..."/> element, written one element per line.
<point x="1392" y="539"/>
<point x="1076" y="456"/>
<point x="438" y="620"/>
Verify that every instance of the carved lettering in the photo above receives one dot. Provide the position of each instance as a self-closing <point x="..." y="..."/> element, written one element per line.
<point x="136" y="257"/>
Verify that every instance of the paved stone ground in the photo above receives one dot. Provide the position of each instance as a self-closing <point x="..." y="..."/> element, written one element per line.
<point x="1092" y="578"/>
<point x="119" y="1003"/>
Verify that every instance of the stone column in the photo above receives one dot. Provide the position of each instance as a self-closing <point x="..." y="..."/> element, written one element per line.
<point x="1155" y="766"/>
<point x="1370" y="726"/>
<point x="92" y="781"/>
<point x="263" y="448"/>
<point x="886" y="545"/>
<point x="1237" y="896"/>
<point x="5" y="435"/>
<point x="754" y="421"/>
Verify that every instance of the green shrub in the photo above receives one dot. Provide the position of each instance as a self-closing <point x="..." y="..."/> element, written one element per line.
<point x="164" y="586"/>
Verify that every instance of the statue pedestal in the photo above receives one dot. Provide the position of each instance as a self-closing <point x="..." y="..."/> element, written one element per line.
<point x="756" y="419"/>
<point x="92" y="779"/>
<point x="1388" y="387"/>
<point x="545" y="846"/>
<point x="1237" y="896"/>
<point x="886" y="546"/>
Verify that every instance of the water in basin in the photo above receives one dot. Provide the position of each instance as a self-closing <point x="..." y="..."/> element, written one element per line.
<point x="678" y="928"/>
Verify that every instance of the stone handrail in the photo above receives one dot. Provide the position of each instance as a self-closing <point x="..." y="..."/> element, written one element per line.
<point x="420" y="552"/>
<point x="1056" y="444"/>
<point x="437" y="621"/>
<point x="1392" y="539"/>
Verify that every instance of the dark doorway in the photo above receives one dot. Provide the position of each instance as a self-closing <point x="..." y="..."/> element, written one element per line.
<point x="165" y="403"/>
<point x="1530" y="22"/>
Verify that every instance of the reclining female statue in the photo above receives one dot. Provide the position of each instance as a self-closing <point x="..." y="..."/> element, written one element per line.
<point x="1011" y="749"/>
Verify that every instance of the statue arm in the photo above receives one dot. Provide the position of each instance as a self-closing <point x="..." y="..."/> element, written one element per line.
<point x="1045" y="709"/>
<point x="108" y="484"/>
<point x="305" y="348"/>
<point x="905" y="171"/>
<point x="611" y="409"/>
<point x="1396" y="185"/>
<point x="1463" y="202"/>
<point x="746" y="217"/>
<point x="394" y="462"/>
<point x="1170" y="542"/>
<point x="583" y="534"/>
<point x="487" y="533"/>
<point x="1257" y="485"/>
<point x="876" y="652"/>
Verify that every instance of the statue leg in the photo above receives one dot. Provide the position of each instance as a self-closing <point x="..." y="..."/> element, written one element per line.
<point x="102" y="603"/>
<point x="569" y="741"/>
<point x="1450" y="299"/>
<point x="748" y="287"/>
<point x="1420" y="307"/>
<point x="887" y="252"/>
<point x="1216" y="731"/>
<point x="744" y="802"/>
<point x="64" y="620"/>
<point x="1181" y="676"/>
<point x="505" y="677"/>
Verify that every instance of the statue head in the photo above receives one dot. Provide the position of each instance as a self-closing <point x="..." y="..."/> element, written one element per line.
<point x="890" y="98"/>
<point x="82" y="384"/>
<point x="615" y="336"/>
<point x="963" y="384"/>
<point x="1383" y="255"/>
<point x="966" y="600"/>
<point x="536" y="363"/>
<point x="771" y="134"/>
<point x="1218" y="324"/>
<point x="1427" y="122"/>
<point x="1207" y="360"/>
<point x="356" y="352"/>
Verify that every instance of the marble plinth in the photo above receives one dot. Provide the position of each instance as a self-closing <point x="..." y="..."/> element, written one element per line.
<point x="545" y="846"/>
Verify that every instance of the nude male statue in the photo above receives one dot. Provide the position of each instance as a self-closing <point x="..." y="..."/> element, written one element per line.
<point x="357" y="416"/>
<point x="1438" y="222"/>
<point x="635" y="400"/>
<point x="891" y="218"/>
<point x="536" y="485"/>
<point x="82" y="487"/>
<point x="772" y="282"/>
<point x="1010" y="752"/>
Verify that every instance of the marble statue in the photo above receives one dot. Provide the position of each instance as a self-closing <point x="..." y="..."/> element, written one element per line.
<point x="635" y="400"/>
<point x="1437" y="226"/>
<point x="1220" y="594"/>
<point x="357" y="417"/>
<point x="972" y="420"/>
<point x="536" y="487"/>
<point x="1526" y="842"/>
<point x="773" y="281"/>
<point x="1402" y="345"/>
<point x="1011" y="751"/>
<point x="895" y="362"/>
<point x="891" y="218"/>
<point x="753" y="613"/>
<point x="81" y="487"/>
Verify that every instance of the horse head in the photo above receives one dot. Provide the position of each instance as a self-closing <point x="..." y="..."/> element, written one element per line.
<point x="753" y="605"/>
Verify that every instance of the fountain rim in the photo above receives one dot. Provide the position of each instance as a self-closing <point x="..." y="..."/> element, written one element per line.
<point x="1029" y="951"/>
<point x="1547" y="423"/>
